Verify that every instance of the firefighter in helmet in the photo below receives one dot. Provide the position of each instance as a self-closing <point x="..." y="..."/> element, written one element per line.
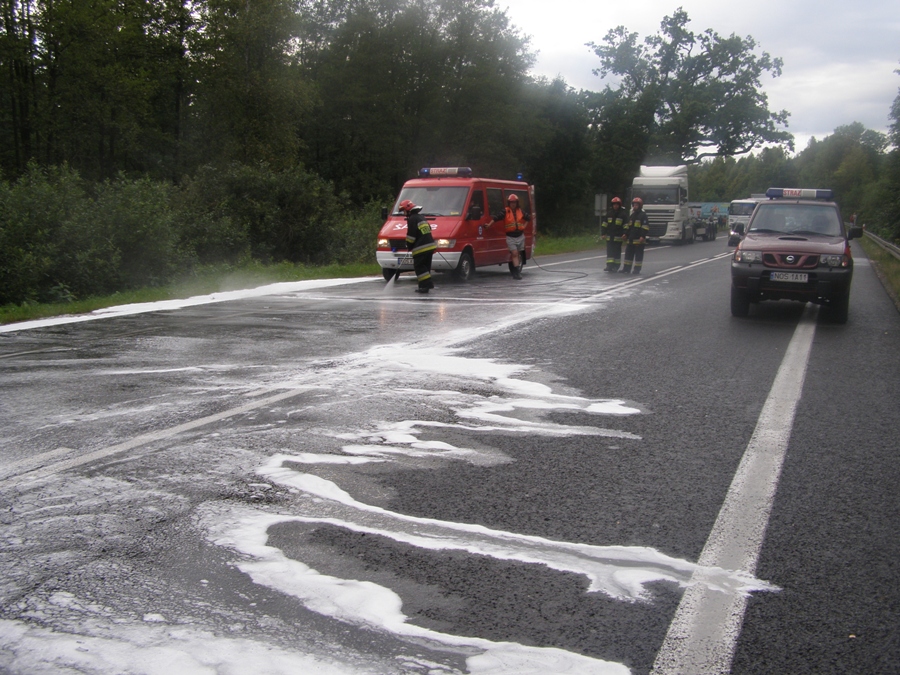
<point x="514" y="220"/>
<point x="612" y="230"/>
<point x="420" y="242"/>
<point x="637" y="229"/>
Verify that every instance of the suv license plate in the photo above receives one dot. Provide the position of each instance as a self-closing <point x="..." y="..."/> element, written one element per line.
<point x="407" y="260"/>
<point x="795" y="277"/>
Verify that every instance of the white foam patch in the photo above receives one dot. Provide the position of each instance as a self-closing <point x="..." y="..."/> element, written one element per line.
<point x="373" y="606"/>
<point x="601" y="564"/>
<point x="416" y="450"/>
<point x="151" y="649"/>
<point x="314" y="458"/>
<point x="620" y="572"/>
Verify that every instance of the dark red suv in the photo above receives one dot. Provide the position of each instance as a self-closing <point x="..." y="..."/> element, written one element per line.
<point x="796" y="247"/>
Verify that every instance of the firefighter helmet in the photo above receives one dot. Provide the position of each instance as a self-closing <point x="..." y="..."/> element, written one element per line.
<point x="638" y="201"/>
<point x="512" y="198"/>
<point x="408" y="206"/>
<point x="616" y="200"/>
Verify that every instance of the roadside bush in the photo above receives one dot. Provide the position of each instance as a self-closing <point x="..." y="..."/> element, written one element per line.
<point x="60" y="242"/>
<point x="354" y="236"/>
<point x="62" y="239"/>
<point x="208" y="233"/>
<point x="274" y="216"/>
<point x="47" y="251"/>
<point x="136" y="218"/>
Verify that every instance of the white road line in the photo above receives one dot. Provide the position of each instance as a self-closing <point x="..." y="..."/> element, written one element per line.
<point x="35" y="471"/>
<point x="702" y="636"/>
<point x="641" y="280"/>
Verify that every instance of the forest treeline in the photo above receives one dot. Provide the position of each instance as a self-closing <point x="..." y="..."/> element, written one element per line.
<point x="140" y="139"/>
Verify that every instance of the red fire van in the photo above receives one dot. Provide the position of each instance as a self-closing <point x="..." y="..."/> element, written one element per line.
<point x="461" y="209"/>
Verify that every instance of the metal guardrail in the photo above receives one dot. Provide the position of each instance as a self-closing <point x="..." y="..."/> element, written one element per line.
<point x="886" y="245"/>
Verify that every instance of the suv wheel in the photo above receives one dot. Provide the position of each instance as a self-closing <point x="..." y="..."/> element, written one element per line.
<point x="840" y="308"/>
<point x="740" y="302"/>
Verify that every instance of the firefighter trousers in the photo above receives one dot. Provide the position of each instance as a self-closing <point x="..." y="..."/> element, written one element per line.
<point x="634" y="257"/>
<point x="422" y="267"/>
<point x="613" y="255"/>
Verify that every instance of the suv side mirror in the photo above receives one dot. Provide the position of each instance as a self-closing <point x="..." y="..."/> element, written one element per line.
<point x="475" y="213"/>
<point x="856" y="232"/>
<point x="384" y="212"/>
<point x="739" y="228"/>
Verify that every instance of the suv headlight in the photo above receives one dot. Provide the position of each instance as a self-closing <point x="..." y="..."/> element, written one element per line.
<point x="834" y="261"/>
<point x="446" y="243"/>
<point x="748" y="256"/>
<point x="383" y="243"/>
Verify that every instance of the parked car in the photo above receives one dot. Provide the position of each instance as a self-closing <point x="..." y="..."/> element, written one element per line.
<point x="795" y="247"/>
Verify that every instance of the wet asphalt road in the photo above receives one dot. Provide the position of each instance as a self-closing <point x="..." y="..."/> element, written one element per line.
<point x="133" y="446"/>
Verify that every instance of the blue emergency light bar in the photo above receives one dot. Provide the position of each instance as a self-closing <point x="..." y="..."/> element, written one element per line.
<point x="437" y="171"/>
<point x="799" y="193"/>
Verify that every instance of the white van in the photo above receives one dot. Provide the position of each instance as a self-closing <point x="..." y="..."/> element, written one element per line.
<point x="739" y="211"/>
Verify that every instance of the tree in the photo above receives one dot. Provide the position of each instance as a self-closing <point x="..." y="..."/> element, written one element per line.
<point x="402" y="84"/>
<point x="96" y="84"/>
<point x="848" y="161"/>
<point x="555" y="155"/>
<point x="17" y="54"/>
<point x="249" y="92"/>
<point x="695" y="95"/>
<point x="884" y="201"/>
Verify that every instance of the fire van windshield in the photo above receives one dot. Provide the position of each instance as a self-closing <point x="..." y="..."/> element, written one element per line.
<point x="437" y="200"/>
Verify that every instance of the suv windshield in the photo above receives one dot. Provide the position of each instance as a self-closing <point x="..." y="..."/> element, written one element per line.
<point x="436" y="200"/>
<point x="804" y="219"/>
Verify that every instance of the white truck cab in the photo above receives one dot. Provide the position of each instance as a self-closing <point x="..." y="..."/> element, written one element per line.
<point x="664" y="190"/>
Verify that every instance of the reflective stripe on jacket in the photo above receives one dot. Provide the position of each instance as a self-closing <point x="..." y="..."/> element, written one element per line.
<point x="418" y="234"/>
<point x="638" y="226"/>
<point x="515" y="220"/>
<point x="613" y="225"/>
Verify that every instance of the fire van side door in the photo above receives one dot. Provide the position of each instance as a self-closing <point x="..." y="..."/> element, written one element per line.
<point x="495" y="250"/>
<point x="476" y="223"/>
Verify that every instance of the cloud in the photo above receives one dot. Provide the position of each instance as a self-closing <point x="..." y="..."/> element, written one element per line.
<point x="839" y="58"/>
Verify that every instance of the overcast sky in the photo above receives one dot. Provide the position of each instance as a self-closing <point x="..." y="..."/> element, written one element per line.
<point x="839" y="55"/>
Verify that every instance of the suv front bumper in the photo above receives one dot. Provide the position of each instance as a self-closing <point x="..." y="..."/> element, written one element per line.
<point x="822" y="284"/>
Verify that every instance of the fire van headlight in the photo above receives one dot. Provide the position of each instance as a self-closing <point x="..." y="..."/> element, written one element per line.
<point x="383" y="243"/>
<point x="446" y="243"/>
<point x="834" y="261"/>
<point x="748" y="256"/>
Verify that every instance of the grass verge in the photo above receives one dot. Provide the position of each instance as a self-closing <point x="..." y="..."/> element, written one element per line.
<point x="251" y="275"/>
<point x="887" y="267"/>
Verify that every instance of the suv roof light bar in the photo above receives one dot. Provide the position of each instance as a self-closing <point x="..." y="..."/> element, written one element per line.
<point x="799" y="193"/>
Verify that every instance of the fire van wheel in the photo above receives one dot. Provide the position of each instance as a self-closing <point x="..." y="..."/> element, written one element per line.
<point x="465" y="270"/>
<point x="388" y="273"/>
<point x="740" y="302"/>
